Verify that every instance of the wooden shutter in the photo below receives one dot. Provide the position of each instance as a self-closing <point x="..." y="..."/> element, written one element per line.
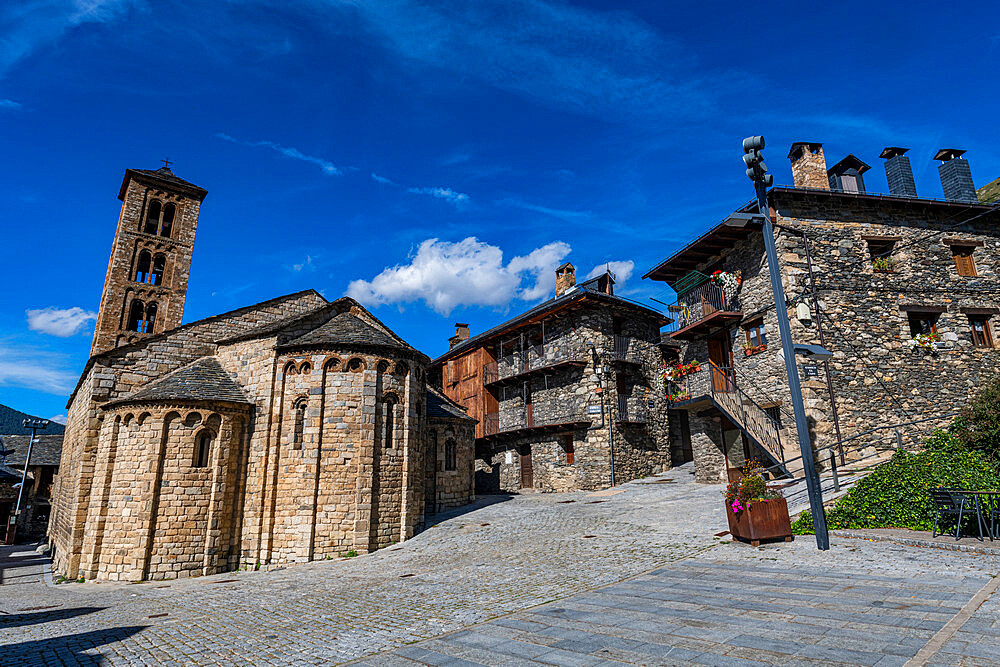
<point x="963" y="260"/>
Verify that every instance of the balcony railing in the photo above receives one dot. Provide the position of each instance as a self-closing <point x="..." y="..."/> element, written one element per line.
<point x="532" y="358"/>
<point x="494" y="423"/>
<point x="632" y="410"/>
<point x="625" y="349"/>
<point x="702" y="302"/>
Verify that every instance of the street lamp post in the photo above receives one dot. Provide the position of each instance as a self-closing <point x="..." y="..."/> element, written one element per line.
<point x="757" y="172"/>
<point x="35" y="425"/>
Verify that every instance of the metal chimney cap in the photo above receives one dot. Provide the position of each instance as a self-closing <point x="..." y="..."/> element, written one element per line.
<point x="892" y="151"/>
<point x="851" y="161"/>
<point x="946" y="154"/>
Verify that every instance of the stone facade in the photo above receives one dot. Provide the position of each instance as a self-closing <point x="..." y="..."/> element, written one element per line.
<point x="579" y="398"/>
<point x="146" y="282"/>
<point x="287" y="431"/>
<point x="866" y="317"/>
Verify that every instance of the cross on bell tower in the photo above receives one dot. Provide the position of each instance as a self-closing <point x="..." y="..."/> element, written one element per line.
<point x="146" y="283"/>
<point x="166" y="162"/>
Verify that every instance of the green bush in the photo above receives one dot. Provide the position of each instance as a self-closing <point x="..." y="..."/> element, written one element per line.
<point x="978" y="426"/>
<point x="896" y="494"/>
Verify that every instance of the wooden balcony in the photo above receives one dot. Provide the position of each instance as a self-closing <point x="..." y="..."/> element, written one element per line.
<point x="534" y="360"/>
<point x="495" y="428"/>
<point x="704" y="310"/>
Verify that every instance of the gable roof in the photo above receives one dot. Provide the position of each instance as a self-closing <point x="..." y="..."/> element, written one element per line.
<point x="46" y="451"/>
<point x="169" y="332"/>
<point x="440" y="406"/>
<point x="573" y="296"/>
<point x="202" y="380"/>
<point x="345" y="328"/>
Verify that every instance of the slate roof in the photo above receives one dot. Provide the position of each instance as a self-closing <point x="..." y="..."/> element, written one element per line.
<point x="163" y="176"/>
<point x="201" y="380"/>
<point x="47" y="450"/>
<point x="442" y="407"/>
<point x="347" y="329"/>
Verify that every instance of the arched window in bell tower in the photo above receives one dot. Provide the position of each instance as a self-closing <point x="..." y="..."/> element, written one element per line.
<point x="159" y="263"/>
<point x="168" y="219"/>
<point x="135" y="316"/>
<point x="142" y="267"/>
<point x="152" y="217"/>
<point x="150" y="318"/>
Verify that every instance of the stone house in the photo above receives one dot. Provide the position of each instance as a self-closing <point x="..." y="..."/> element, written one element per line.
<point x="42" y="469"/>
<point x="567" y="395"/>
<point x="290" y="430"/>
<point x="902" y="289"/>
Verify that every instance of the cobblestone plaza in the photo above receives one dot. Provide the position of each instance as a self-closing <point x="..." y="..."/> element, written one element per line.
<point x="628" y="576"/>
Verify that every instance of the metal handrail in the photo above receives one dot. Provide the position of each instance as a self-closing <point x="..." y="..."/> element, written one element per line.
<point x="702" y="301"/>
<point x="492" y="424"/>
<point x="636" y="415"/>
<point x="533" y="357"/>
<point x="745" y="411"/>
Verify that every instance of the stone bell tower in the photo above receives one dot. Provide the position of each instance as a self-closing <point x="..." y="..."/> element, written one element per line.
<point x="146" y="282"/>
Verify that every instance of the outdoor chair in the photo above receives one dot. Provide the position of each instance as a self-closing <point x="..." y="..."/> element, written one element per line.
<point x="953" y="503"/>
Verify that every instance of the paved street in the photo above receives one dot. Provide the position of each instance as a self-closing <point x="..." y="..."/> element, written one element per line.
<point x="634" y="577"/>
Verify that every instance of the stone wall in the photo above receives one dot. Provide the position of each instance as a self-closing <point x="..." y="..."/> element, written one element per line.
<point x="456" y="487"/>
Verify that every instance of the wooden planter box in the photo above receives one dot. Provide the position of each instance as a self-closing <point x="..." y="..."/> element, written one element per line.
<point x="765" y="520"/>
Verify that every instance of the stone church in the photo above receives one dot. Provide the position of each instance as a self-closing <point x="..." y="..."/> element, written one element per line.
<point x="290" y="430"/>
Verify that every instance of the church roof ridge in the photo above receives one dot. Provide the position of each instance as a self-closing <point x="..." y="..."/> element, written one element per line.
<point x="347" y="328"/>
<point x="164" y="177"/>
<point x="203" y="379"/>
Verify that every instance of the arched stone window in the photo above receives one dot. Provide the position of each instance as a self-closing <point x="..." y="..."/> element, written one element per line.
<point x="356" y="365"/>
<point x="168" y="219"/>
<point x="135" y="316"/>
<point x="159" y="264"/>
<point x="203" y="448"/>
<point x="305" y="368"/>
<point x="150" y="318"/>
<point x="450" y="455"/>
<point x="390" y="401"/>
<point x="298" y="428"/>
<point x="142" y="267"/>
<point x="152" y="217"/>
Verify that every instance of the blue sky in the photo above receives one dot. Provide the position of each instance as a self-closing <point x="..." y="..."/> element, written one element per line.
<point x="438" y="160"/>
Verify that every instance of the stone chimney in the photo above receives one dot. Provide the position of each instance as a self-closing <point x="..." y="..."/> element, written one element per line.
<point x="956" y="177"/>
<point x="808" y="165"/>
<point x="898" y="172"/>
<point x="565" y="278"/>
<point x="461" y="334"/>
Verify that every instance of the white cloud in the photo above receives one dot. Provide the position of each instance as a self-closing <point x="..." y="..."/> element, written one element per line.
<point x="306" y="265"/>
<point x="381" y="179"/>
<point x="62" y="322"/>
<point x="562" y="214"/>
<point x="29" y="25"/>
<point x="328" y="167"/>
<point x="9" y="104"/>
<point x="621" y="269"/>
<point x="59" y="419"/>
<point x="469" y="273"/>
<point x="442" y="193"/>
<point x="33" y="368"/>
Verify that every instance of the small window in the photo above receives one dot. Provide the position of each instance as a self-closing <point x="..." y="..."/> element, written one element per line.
<point x="168" y="219"/>
<point x="159" y="262"/>
<point x="755" y="334"/>
<point x="135" y="316"/>
<point x="202" y="449"/>
<point x="150" y="318"/>
<point x="880" y="253"/>
<point x="142" y="267"/>
<point x="388" y="426"/>
<point x="922" y="323"/>
<point x="568" y="449"/>
<point x="450" y="455"/>
<point x="298" y="428"/>
<point x="981" y="334"/>
<point x="152" y="217"/>
<point x="962" y="254"/>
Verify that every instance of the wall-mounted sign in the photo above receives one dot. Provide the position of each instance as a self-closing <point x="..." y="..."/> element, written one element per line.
<point x="593" y="409"/>
<point x="810" y="370"/>
<point x="650" y="403"/>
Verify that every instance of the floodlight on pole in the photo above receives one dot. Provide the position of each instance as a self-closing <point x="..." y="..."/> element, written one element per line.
<point x="35" y="425"/>
<point x="757" y="172"/>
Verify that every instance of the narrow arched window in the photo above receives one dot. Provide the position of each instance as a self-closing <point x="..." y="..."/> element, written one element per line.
<point x="142" y="267"/>
<point x="159" y="262"/>
<point x="168" y="219"/>
<point x="390" y="410"/>
<point x="298" y="428"/>
<point x="150" y="318"/>
<point x="135" y="316"/>
<point x="202" y="449"/>
<point x="152" y="217"/>
<point x="450" y="455"/>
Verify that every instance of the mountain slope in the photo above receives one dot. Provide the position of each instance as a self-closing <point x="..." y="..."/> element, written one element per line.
<point x="10" y="423"/>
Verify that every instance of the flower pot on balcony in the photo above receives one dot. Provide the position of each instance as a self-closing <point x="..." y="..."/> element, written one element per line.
<point x="762" y="520"/>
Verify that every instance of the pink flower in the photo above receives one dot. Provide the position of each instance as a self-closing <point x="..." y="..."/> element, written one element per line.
<point x="737" y="507"/>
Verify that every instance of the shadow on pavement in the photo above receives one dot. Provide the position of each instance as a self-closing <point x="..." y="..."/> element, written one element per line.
<point x="65" y="650"/>
<point x="8" y="621"/>
<point x="479" y="503"/>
